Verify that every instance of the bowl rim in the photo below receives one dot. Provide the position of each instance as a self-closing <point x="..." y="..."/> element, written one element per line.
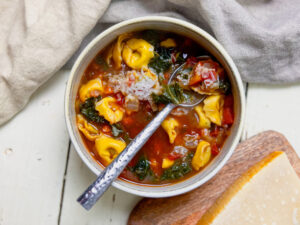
<point x="225" y="56"/>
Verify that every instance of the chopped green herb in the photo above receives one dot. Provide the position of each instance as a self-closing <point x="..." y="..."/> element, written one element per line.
<point x="87" y="109"/>
<point x="162" y="61"/>
<point x="100" y="61"/>
<point x="142" y="168"/>
<point x="179" y="169"/>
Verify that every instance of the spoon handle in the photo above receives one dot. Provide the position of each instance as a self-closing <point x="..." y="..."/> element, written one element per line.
<point x="113" y="170"/>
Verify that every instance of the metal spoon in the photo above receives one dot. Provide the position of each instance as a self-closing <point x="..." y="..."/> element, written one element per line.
<point x="113" y="170"/>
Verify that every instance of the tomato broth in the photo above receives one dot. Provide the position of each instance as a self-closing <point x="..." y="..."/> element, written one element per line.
<point x="125" y="86"/>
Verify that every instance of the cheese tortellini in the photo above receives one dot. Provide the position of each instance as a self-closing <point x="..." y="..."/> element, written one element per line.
<point x="168" y="43"/>
<point x="110" y="110"/>
<point x="117" y="50"/>
<point x="89" y="130"/>
<point x="92" y="85"/>
<point x="213" y="108"/>
<point x="167" y="163"/>
<point x="137" y="53"/>
<point x="204" y="121"/>
<point x="170" y="126"/>
<point x="202" y="155"/>
<point x="109" y="148"/>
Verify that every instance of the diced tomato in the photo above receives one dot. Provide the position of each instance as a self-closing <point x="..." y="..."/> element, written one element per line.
<point x="166" y="76"/>
<point x="196" y="77"/>
<point x="204" y="71"/>
<point x="191" y="61"/>
<point x="228" y="116"/>
<point x="106" y="128"/>
<point x="108" y="90"/>
<point x="228" y="101"/>
<point x="214" y="149"/>
<point x="214" y="132"/>
<point x="174" y="156"/>
<point x="120" y="98"/>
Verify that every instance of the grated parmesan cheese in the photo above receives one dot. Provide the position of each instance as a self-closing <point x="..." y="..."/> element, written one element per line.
<point x="136" y="83"/>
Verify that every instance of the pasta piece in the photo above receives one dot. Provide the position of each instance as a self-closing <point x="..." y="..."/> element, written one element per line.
<point x="169" y="126"/>
<point x="109" y="55"/>
<point x="89" y="130"/>
<point x="213" y="108"/>
<point x="202" y="155"/>
<point x="137" y="53"/>
<point x="109" y="148"/>
<point x="117" y="50"/>
<point x="168" y="43"/>
<point x="166" y="163"/>
<point x="204" y="121"/>
<point x="92" y="85"/>
<point x="110" y="110"/>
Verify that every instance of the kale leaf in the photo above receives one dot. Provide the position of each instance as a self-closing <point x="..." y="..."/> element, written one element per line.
<point x="87" y="109"/>
<point x="162" y="60"/>
<point x="163" y="98"/>
<point x="142" y="168"/>
<point x="173" y="93"/>
<point x="100" y="61"/>
<point x="224" y="86"/>
<point x="179" y="169"/>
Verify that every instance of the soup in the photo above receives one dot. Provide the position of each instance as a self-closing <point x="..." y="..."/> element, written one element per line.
<point x="126" y="85"/>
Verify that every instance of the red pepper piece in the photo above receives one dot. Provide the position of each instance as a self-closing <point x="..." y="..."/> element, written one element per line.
<point x="228" y="117"/>
<point x="214" y="149"/>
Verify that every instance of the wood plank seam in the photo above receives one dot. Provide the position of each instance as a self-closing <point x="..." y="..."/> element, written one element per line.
<point x="244" y="134"/>
<point x="63" y="184"/>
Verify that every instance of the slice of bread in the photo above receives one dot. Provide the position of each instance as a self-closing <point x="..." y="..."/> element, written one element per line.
<point x="267" y="194"/>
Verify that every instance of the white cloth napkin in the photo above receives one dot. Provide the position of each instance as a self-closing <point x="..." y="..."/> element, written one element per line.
<point x="37" y="37"/>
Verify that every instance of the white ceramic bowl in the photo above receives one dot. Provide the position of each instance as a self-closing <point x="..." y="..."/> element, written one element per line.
<point x="175" y="26"/>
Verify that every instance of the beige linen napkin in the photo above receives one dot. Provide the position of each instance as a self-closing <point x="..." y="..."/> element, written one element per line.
<point x="37" y="37"/>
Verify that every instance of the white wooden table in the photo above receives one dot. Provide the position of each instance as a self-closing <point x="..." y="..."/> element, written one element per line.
<point x="41" y="175"/>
